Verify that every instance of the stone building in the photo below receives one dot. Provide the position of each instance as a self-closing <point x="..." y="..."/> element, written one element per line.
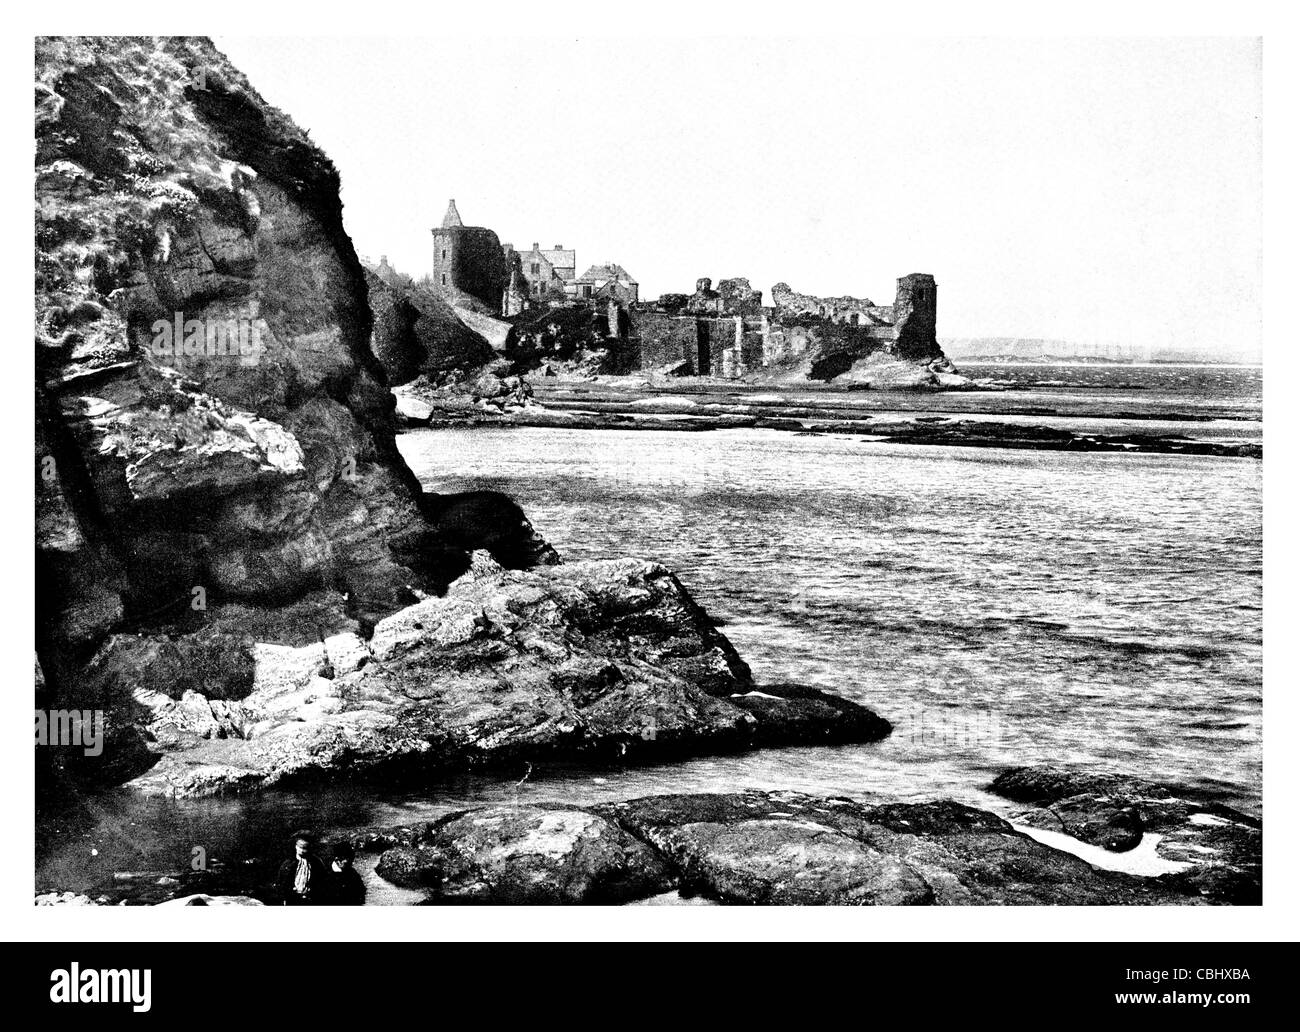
<point x="608" y="282"/>
<point x="547" y="271"/>
<point x="469" y="260"/>
<point x="386" y="272"/>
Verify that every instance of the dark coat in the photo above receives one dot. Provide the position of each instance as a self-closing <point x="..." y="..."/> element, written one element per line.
<point x="317" y="884"/>
<point x="346" y="889"/>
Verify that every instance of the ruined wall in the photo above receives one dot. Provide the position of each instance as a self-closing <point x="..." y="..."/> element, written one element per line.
<point x="664" y="340"/>
<point x="862" y="311"/>
<point x="728" y="333"/>
<point x="820" y="349"/>
<point x="739" y="298"/>
<point x="732" y="297"/>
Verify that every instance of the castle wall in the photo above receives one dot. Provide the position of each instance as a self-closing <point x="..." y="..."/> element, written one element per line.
<point x="665" y="340"/>
<point x="825" y="334"/>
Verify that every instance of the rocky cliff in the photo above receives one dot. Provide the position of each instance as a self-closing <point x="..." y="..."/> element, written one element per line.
<point x="234" y="564"/>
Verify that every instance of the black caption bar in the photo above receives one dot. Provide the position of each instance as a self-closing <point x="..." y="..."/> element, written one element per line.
<point x="308" y="980"/>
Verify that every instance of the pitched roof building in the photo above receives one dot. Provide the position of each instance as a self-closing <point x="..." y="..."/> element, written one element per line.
<point x="546" y="270"/>
<point x="609" y="280"/>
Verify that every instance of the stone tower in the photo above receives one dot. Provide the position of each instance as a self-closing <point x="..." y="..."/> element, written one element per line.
<point x="916" y="315"/>
<point x="468" y="260"/>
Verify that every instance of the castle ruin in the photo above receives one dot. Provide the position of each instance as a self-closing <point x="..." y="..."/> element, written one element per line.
<point x="726" y="332"/>
<point x="729" y="333"/>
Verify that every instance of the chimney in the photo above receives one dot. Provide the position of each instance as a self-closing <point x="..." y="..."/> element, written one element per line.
<point x="559" y="247"/>
<point x="535" y="246"/>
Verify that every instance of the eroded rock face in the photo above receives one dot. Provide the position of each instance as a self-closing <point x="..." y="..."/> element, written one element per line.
<point x="601" y="659"/>
<point x="209" y="412"/>
<point x="1220" y="845"/>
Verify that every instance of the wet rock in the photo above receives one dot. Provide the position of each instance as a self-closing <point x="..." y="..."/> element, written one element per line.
<point x="1220" y="845"/>
<point x="777" y="847"/>
<point x="412" y="867"/>
<point x="488" y="521"/>
<point x="886" y="372"/>
<point x="755" y="847"/>
<point x="605" y="660"/>
<point x="784" y="862"/>
<point x="412" y="410"/>
<point x="530" y="855"/>
<point x="797" y="713"/>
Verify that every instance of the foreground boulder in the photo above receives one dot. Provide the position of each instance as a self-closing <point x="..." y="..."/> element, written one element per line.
<point x="1219" y="846"/>
<point x="771" y="848"/>
<point x="603" y="660"/>
<point x="790" y="848"/>
<point x="528" y="855"/>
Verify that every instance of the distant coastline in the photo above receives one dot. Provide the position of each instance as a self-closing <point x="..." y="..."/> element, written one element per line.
<point x="1143" y="364"/>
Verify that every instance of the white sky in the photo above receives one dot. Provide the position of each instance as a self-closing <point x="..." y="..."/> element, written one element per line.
<point x="1088" y="189"/>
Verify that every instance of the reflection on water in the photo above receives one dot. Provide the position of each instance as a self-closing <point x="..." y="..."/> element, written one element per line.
<point x="999" y="607"/>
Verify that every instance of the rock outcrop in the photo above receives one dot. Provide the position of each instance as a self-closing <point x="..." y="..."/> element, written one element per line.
<point x="1220" y="847"/>
<point x="418" y="333"/>
<point x="495" y="390"/>
<point x="528" y="855"/>
<point x="234" y="564"/>
<point x="605" y="660"/>
<point x="775" y="848"/>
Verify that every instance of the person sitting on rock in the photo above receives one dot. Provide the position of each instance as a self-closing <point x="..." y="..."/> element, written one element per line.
<point x="346" y="889"/>
<point x="302" y="879"/>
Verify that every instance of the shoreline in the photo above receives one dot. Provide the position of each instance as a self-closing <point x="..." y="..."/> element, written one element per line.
<point x="630" y="403"/>
<point x="1066" y="837"/>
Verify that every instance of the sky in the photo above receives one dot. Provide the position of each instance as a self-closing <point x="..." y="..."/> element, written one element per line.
<point x="1096" y="190"/>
